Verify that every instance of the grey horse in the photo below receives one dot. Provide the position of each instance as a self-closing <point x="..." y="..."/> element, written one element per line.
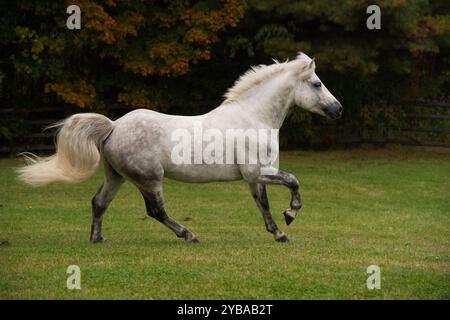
<point x="140" y="145"/>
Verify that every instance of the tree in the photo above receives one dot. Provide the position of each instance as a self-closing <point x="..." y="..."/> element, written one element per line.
<point x="122" y="48"/>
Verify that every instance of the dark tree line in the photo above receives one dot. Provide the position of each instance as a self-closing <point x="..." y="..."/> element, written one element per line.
<point x="180" y="56"/>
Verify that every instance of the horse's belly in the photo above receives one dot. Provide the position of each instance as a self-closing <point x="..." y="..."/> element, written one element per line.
<point x="203" y="172"/>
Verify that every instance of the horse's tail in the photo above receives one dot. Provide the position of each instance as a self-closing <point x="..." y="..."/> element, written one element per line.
<point x="77" y="151"/>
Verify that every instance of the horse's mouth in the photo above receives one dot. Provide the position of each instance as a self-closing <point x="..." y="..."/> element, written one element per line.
<point x="333" y="111"/>
<point x="332" y="115"/>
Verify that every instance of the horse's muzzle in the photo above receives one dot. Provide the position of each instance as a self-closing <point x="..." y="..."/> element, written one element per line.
<point x="333" y="110"/>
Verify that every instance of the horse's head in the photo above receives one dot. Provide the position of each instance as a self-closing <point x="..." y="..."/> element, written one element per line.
<point x="310" y="93"/>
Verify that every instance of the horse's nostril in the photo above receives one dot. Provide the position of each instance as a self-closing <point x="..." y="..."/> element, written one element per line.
<point x="333" y="110"/>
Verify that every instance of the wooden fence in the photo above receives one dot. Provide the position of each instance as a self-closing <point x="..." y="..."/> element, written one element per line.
<point x="36" y="138"/>
<point x="422" y="123"/>
<point x="419" y="123"/>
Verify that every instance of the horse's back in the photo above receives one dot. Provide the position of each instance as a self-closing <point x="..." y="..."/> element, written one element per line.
<point x="140" y="147"/>
<point x="140" y="142"/>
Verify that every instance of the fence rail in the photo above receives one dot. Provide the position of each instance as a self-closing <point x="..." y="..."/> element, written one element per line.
<point x="426" y="116"/>
<point x="424" y="123"/>
<point x="412" y="133"/>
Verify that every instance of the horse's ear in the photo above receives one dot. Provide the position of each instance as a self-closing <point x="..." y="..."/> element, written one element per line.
<point x="312" y="64"/>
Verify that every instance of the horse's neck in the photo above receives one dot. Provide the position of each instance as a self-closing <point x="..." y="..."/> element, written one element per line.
<point x="269" y="103"/>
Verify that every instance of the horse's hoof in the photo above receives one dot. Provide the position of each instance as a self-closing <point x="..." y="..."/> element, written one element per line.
<point x="189" y="237"/>
<point x="100" y="240"/>
<point x="283" y="238"/>
<point x="192" y="240"/>
<point x="289" y="216"/>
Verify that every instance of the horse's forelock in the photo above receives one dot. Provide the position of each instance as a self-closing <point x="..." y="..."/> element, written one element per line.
<point x="304" y="65"/>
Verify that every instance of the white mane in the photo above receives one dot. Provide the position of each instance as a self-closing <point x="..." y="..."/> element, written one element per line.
<point x="258" y="74"/>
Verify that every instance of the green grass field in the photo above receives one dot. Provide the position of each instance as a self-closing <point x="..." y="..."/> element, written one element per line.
<point x="386" y="207"/>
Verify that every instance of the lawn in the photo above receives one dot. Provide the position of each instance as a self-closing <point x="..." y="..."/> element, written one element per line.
<point x="388" y="207"/>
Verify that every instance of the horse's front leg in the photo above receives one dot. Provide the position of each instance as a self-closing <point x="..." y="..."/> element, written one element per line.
<point x="259" y="193"/>
<point x="289" y="180"/>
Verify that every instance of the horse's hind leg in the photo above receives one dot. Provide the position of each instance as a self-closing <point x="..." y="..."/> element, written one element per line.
<point x="260" y="195"/>
<point x="154" y="203"/>
<point x="102" y="199"/>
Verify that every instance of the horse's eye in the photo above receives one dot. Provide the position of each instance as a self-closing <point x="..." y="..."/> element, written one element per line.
<point x="317" y="84"/>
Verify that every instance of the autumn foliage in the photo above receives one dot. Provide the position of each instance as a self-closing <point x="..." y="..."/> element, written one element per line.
<point x="120" y="45"/>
